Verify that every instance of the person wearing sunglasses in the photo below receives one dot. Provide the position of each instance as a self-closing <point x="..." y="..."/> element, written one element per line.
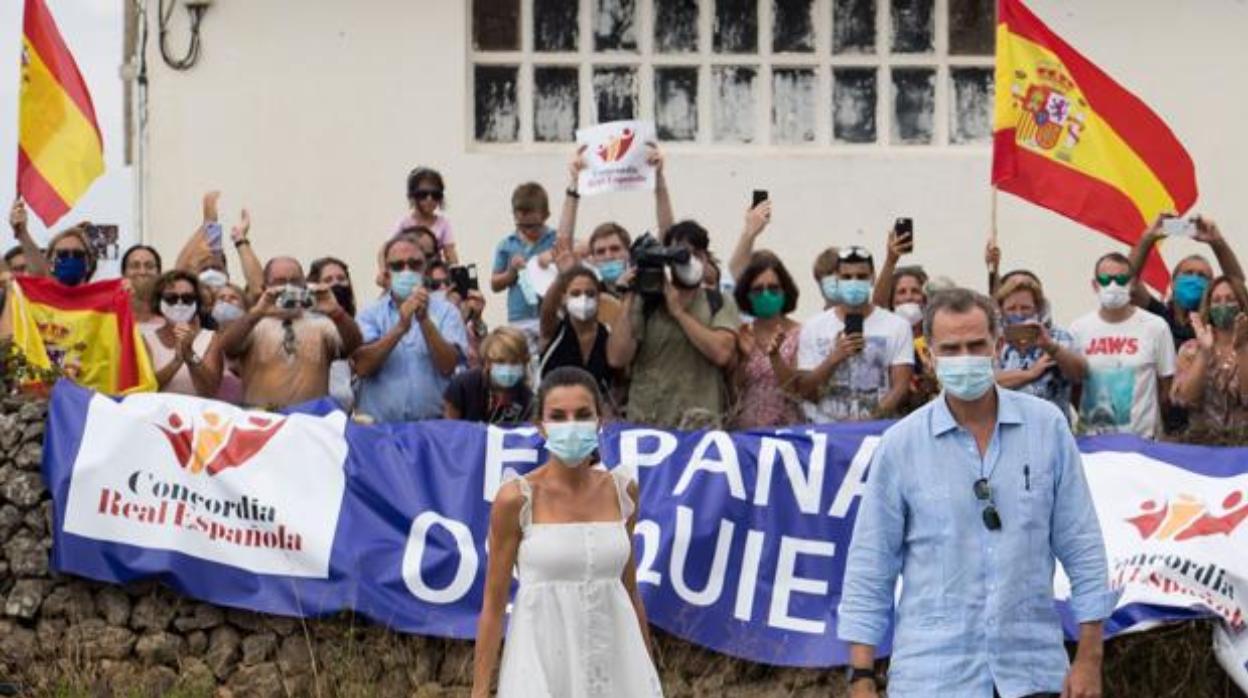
<point x="286" y="342"/>
<point x="426" y="197"/>
<point x="414" y="340"/>
<point x="855" y="360"/>
<point x="971" y="499"/>
<point x="765" y="377"/>
<point x="1130" y="357"/>
<point x="186" y="356"/>
<point x="71" y="258"/>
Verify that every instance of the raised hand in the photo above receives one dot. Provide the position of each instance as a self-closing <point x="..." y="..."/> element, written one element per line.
<point x="899" y="246"/>
<point x="757" y="218"/>
<point x="210" y="206"/>
<point x="17" y="215"/>
<point x="1204" y="333"/>
<point x="655" y="157"/>
<point x="239" y="232"/>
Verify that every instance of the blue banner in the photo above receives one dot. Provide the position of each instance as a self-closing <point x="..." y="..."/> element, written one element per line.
<point x="740" y="543"/>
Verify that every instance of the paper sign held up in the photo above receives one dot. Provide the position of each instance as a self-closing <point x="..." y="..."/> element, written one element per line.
<point x="615" y="157"/>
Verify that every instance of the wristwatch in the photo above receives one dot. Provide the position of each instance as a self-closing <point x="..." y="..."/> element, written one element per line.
<point x="572" y="193"/>
<point x="855" y="674"/>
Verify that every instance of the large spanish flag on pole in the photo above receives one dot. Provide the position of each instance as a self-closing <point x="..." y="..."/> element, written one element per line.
<point x="60" y="150"/>
<point x="87" y="331"/>
<point x="1069" y="138"/>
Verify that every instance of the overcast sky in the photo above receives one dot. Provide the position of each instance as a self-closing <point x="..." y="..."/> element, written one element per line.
<point x="93" y="31"/>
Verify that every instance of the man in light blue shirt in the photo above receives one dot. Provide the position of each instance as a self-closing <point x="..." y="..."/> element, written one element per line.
<point x="970" y="499"/>
<point x="413" y="342"/>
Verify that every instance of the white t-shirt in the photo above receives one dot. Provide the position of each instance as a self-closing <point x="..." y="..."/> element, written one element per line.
<point x="1125" y="359"/>
<point x="858" y="384"/>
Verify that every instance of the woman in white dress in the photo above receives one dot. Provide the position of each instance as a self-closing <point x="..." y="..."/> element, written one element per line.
<point x="577" y="628"/>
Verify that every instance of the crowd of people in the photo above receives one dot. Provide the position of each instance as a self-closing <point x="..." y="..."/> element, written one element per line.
<point x="657" y="330"/>
<point x="671" y="335"/>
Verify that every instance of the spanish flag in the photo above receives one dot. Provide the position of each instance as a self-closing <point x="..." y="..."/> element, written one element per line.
<point x="87" y="331"/>
<point x="60" y="150"/>
<point x="1069" y="138"/>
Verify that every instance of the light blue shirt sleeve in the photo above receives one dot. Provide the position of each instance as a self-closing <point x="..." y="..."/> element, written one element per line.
<point x="875" y="552"/>
<point x="369" y="322"/>
<point x="1076" y="533"/>
<point x="502" y="256"/>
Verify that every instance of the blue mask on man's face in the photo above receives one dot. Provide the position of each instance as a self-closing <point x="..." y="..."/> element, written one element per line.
<point x="854" y="292"/>
<point x="1189" y="289"/>
<point x="70" y="271"/>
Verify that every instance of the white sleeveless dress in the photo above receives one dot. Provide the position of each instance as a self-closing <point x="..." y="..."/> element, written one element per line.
<point x="573" y="632"/>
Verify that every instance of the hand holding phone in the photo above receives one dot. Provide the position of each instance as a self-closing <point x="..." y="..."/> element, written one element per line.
<point x="903" y="232"/>
<point x="853" y="323"/>
<point x="212" y="232"/>
<point x="760" y="195"/>
<point x="1023" y="335"/>
<point x="1176" y="227"/>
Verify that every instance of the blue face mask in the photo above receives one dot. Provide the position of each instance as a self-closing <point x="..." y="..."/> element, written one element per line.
<point x="571" y="442"/>
<point x="1189" y="289"/>
<point x="830" y="285"/>
<point x="611" y="270"/>
<point x="1016" y="319"/>
<point x="966" y="378"/>
<point x="403" y="283"/>
<point x="854" y="291"/>
<point x="506" y="375"/>
<point x="70" y="271"/>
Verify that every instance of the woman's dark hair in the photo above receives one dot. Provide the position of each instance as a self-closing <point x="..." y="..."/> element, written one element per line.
<point x="761" y="261"/>
<point x="125" y="258"/>
<point x="567" y="377"/>
<point x="425" y="174"/>
<point x="318" y="266"/>
<point x="170" y="278"/>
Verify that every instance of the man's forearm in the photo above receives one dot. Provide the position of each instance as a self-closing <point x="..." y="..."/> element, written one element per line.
<point x="369" y="358"/>
<point x="718" y="346"/>
<point x="236" y="333"/>
<point x="348" y="331"/>
<point x="861" y="656"/>
<point x="882" y="294"/>
<point x="445" y="356"/>
<point x="1091" y="642"/>
<point x="663" y="204"/>
<point x="36" y="263"/>
<point x="621" y="347"/>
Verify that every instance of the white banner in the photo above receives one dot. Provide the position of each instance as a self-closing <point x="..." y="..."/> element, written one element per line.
<point x="615" y="157"/>
<point x="257" y="491"/>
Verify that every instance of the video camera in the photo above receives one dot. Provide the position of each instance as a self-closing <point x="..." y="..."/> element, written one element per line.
<point x="650" y="257"/>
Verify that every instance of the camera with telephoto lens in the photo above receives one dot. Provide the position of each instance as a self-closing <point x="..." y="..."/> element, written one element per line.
<point x="650" y="257"/>
<point x="294" y="298"/>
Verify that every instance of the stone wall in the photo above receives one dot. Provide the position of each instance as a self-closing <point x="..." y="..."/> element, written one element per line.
<point x="67" y="636"/>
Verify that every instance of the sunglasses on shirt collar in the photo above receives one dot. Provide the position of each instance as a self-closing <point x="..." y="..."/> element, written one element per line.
<point x="983" y="492"/>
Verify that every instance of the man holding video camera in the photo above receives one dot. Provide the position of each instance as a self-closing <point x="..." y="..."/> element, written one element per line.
<point x="286" y="342"/>
<point x="679" y="338"/>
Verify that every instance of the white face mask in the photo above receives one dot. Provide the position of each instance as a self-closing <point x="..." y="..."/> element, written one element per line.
<point x="225" y="313"/>
<point x="178" y="314"/>
<point x="581" y="307"/>
<point x="1113" y="296"/>
<point x="690" y="275"/>
<point x="213" y="278"/>
<point x="910" y="312"/>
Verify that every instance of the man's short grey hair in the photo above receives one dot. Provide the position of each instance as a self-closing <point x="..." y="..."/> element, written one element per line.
<point x="958" y="301"/>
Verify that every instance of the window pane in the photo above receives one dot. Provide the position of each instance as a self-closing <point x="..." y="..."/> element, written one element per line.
<point x="676" y="26"/>
<point x="556" y="102"/>
<point x="733" y="109"/>
<point x="970" y="110"/>
<point x="615" y="93"/>
<point x="615" y="25"/>
<point x="914" y="100"/>
<point x="496" y="25"/>
<point x="913" y="26"/>
<point x="555" y="25"/>
<point x="972" y="27"/>
<point x="736" y="26"/>
<point x="793" y="105"/>
<point x="676" y="103"/>
<point x="854" y="93"/>
<point x="853" y="26"/>
<point x="793" y="28"/>
<point x="494" y="96"/>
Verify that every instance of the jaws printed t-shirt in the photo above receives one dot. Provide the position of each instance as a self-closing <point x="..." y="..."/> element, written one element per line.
<point x="1125" y="359"/>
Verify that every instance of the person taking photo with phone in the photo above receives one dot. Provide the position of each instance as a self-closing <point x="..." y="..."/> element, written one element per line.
<point x="1211" y="378"/>
<point x="854" y="360"/>
<point x="1036" y="357"/>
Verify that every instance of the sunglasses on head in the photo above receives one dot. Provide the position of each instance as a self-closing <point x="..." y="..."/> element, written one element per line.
<point x="410" y="264"/>
<point x="1120" y="279"/>
<point x="68" y="254"/>
<point x="761" y="288"/>
<point x="983" y="492"/>
<point x="179" y="298"/>
<point x="435" y="194"/>
<point x="853" y="253"/>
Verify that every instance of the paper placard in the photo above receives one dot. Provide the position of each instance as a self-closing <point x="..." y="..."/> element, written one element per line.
<point x="615" y="157"/>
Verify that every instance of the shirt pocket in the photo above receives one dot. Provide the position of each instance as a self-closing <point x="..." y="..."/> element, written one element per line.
<point x="1035" y="508"/>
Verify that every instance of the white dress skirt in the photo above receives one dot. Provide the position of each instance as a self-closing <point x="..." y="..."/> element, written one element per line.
<point x="573" y="631"/>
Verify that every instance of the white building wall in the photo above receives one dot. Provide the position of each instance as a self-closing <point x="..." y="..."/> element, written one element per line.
<point x="311" y="112"/>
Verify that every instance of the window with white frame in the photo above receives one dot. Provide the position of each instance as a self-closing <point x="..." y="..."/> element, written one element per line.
<point x="836" y="74"/>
